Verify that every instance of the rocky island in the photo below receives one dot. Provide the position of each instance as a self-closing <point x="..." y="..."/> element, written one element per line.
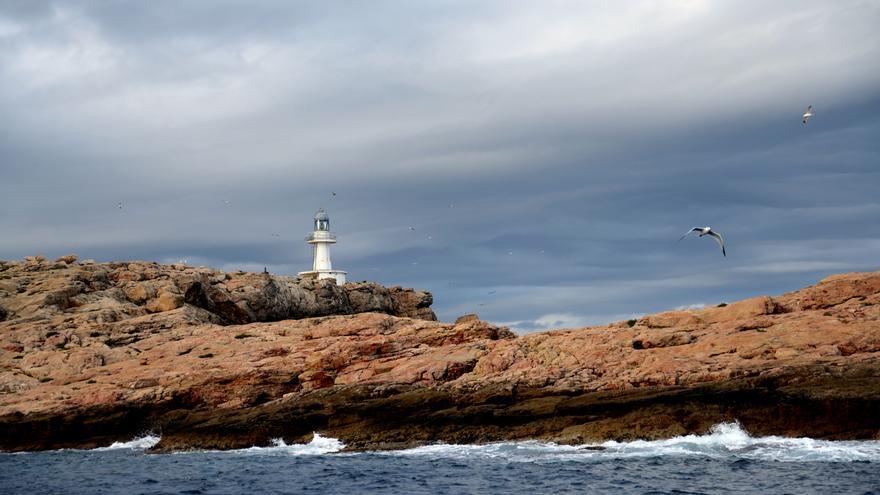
<point x="92" y="353"/>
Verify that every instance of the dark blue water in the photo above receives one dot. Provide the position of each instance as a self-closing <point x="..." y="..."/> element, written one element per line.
<point x="723" y="462"/>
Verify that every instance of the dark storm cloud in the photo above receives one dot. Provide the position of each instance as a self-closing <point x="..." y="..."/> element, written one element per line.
<point x="548" y="157"/>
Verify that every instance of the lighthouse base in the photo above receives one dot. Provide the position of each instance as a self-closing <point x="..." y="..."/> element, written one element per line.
<point x="337" y="275"/>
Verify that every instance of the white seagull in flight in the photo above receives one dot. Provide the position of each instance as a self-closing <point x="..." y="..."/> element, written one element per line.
<point x="707" y="231"/>
<point x="808" y="113"/>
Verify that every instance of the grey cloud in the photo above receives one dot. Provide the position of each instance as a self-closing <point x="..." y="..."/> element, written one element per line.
<point x="582" y="137"/>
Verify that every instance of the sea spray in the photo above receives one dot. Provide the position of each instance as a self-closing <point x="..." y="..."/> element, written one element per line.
<point x="140" y="443"/>
<point x="729" y="439"/>
<point x="726" y="440"/>
<point x="319" y="445"/>
<point x="723" y="441"/>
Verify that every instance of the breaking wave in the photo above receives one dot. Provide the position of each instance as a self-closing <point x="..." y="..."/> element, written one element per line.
<point x="319" y="445"/>
<point x="726" y="440"/>
<point x="140" y="443"/>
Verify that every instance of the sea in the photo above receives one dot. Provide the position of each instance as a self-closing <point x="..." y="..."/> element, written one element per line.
<point x="726" y="460"/>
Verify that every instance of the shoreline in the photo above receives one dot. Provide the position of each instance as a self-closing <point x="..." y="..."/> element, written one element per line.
<point x="83" y="366"/>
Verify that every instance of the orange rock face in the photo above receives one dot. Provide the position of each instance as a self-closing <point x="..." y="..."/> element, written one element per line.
<point x="113" y="350"/>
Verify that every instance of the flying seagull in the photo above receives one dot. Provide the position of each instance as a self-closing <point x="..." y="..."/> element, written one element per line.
<point x="707" y="231"/>
<point x="119" y="205"/>
<point x="412" y="228"/>
<point x="808" y="113"/>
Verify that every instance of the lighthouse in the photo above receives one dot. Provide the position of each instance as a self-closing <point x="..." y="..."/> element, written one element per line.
<point x="321" y="239"/>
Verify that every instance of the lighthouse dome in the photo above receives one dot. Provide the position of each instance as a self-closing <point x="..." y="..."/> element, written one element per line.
<point x="322" y="220"/>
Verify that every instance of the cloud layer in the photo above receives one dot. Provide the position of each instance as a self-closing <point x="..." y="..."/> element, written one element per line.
<point x="549" y="157"/>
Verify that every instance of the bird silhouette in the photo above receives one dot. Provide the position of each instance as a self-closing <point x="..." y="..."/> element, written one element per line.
<point x="709" y="232"/>
<point x="808" y="113"/>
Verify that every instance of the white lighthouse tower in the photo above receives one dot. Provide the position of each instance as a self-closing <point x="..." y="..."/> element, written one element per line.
<point x="320" y="240"/>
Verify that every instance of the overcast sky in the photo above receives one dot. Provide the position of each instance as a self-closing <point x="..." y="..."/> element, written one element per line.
<point x="548" y="154"/>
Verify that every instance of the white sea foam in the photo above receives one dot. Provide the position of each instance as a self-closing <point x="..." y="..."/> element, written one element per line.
<point x="727" y="440"/>
<point x="730" y="439"/>
<point x="139" y="443"/>
<point x="319" y="445"/>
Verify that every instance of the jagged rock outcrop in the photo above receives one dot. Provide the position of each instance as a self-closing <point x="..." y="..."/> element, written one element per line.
<point x="804" y="363"/>
<point x="38" y="290"/>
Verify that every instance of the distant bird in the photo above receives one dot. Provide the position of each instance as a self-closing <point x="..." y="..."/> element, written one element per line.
<point x="491" y="292"/>
<point x="430" y="237"/>
<point x="708" y="231"/>
<point x="412" y="228"/>
<point x="275" y="235"/>
<point x="333" y="194"/>
<point x="808" y="113"/>
<point x="119" y="205"/>
<point x="510" y="253"/>
<point x="226" y="202"/>
<point x="451" y="205"/>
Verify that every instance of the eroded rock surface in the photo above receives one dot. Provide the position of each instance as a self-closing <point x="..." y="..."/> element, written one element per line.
<point x="86" y="361"/>
<point x="65" y="293"/>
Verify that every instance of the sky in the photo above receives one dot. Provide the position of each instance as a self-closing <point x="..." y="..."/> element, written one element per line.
<point x="548" y="154"/>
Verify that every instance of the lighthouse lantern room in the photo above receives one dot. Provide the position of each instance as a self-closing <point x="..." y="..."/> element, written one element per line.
<point x="321" y="239"/>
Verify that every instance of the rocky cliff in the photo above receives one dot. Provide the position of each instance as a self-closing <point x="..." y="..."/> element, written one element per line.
<point x="67" y="294"/>
<point x="94" y="353"/>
